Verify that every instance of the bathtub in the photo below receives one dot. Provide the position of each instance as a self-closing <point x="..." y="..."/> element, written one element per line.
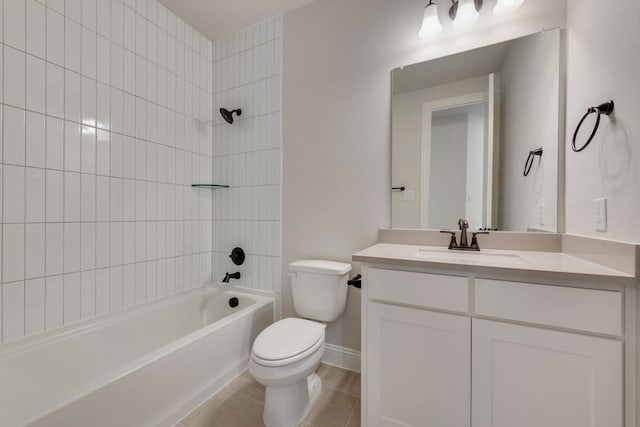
<point x="147" y="366"/>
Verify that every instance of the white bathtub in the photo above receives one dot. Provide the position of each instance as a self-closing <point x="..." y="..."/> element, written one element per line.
<point x="148" y="366"/>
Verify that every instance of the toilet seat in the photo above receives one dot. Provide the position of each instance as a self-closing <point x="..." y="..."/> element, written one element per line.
<point x="287" y="341"/>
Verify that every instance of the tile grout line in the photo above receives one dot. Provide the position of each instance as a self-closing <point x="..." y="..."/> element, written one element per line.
<point x="2" y="326"/>
<point x="24" y="230"/>
<point x="353" y="411"/>
<point x="64" y="154"/>
<point x="343" y="392"/>
<point x="122" y="267"/>
<point x="239" y="393"/>
<point x="82" y="179"/>
<point x="46" y="198"/>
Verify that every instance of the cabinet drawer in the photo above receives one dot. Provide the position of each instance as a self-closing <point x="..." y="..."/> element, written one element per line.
<point x="574" y="308"/>
<point x="419" y="289"/>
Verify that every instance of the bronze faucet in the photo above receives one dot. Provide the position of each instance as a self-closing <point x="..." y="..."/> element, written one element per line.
<point x="463" y="225"/>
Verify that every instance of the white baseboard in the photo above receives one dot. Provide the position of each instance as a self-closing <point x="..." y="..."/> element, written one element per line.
<point x="342" y="357"/>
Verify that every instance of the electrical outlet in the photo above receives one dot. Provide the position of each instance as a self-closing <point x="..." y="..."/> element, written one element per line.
<point x="407" y="195"/>
<point x="600" y="214"/>
<point x="541" y="214"/>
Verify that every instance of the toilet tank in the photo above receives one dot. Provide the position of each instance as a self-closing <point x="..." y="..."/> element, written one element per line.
<point x="319" y="288"/>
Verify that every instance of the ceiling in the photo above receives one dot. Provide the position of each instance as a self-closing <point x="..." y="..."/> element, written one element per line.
<point x="217" y="18"/>
<point x="461" y="66"/>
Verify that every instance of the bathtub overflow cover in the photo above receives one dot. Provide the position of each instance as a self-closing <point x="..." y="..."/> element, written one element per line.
<point x="233" y="302"/>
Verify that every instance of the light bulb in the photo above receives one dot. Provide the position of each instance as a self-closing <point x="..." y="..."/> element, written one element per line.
<point x="466" y="14"/>
<point x="506" y="6"/>
<point x="430" y="22"/>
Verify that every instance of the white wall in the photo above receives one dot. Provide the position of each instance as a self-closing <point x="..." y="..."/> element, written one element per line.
<point x="247" y="155"/>
<point x="106" y="119"/>
<point x="530" y="88"/>
<point x="603" y="63"/>
<point x="336" y="116"/>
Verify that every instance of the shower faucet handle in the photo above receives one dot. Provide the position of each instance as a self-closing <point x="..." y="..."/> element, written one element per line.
<point x="237" y="256"/>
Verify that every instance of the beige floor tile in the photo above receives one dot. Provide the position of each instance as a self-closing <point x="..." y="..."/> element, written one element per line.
<point x="339" y="379"/>
<point x="199" y="417"/>
<point x="227" y="409"/>
<point x="241" y="403"/>
<point x="332" y="409"/>
<point x="354" y="421"/>
<point x="247" y="386"/>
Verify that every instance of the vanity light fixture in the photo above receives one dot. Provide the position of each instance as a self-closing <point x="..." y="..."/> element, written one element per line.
<point x="430" y="22"/>
<point x="464" y="12"/>
<point x="506" y="6"/>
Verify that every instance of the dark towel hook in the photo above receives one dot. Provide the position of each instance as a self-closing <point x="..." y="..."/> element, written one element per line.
<point x="606" y="108"/>
<point x="529" y="162"/>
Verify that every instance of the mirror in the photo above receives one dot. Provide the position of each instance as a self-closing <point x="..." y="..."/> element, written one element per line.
<point x="463" y="128"/>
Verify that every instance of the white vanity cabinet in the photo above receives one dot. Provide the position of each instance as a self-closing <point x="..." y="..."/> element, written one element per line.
<point x="530" y="377"/>
<point x="457" y="350"/>
<point x="422" y="363"/>
<point x="420" y="359"/>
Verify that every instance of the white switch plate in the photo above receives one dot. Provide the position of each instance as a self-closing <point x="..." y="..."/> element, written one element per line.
<point x="541" y="214"/>
<point x="600" y="214"/>
<point x="407" y="195"/>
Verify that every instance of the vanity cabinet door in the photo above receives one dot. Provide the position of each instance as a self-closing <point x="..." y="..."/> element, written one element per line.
<point x="530" y="377"/>
<point x="419" y="364"/>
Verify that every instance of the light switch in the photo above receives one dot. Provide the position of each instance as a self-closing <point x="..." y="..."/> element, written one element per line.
<point x="407" y="195"/>
<point x="600" y="214"/>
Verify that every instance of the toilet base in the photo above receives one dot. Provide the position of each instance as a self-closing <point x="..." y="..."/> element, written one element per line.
<point x="288" y="406"/>
<point x="315" y="387"/>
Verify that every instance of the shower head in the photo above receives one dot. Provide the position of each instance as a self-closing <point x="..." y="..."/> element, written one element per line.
<point x="228" y="115"/>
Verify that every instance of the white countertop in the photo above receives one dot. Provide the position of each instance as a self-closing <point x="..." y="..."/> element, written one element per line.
<point x="509" y="260"/>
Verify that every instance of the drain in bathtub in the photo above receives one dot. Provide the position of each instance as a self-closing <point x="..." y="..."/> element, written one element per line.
<point x="233" y="302"/>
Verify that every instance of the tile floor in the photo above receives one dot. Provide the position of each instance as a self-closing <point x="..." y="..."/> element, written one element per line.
<point x="240" y="403"/>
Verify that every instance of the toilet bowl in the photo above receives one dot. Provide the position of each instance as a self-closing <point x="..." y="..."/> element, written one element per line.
<point x="286" y="354"/>
<point x="284" y="359"/>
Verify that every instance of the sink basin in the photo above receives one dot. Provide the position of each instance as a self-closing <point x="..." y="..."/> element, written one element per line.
<point x="470" y="257"/>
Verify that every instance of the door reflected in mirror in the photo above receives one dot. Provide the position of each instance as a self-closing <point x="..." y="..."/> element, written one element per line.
<point x="463" y="127"/>
<point x="456" y="154"/>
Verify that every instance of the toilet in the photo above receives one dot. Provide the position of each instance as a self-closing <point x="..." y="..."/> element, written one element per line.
<point x="286" y="354"/>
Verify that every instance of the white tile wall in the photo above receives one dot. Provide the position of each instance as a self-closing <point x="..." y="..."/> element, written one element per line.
<point x="106" y="111"/>
<point x="247" y="75"/>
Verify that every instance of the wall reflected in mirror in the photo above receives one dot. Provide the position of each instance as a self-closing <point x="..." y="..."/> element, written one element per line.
<point x="462" y="129"/>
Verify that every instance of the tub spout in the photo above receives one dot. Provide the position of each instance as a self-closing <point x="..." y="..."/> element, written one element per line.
<point x="228" y="276"/>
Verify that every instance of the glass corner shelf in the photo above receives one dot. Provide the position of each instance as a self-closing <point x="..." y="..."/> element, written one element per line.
<point x="212" y="186"/>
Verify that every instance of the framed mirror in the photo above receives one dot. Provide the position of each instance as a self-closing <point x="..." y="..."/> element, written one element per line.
<point x="465" y="129"/>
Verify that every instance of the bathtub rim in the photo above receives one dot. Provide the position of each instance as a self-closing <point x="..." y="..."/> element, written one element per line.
<point x="125" y="369"/>
<point x="41" y="339"/>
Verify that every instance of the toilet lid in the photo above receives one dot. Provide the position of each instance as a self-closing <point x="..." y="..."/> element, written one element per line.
<point x="287" y="338"/>
<point x="320" y="266"/>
